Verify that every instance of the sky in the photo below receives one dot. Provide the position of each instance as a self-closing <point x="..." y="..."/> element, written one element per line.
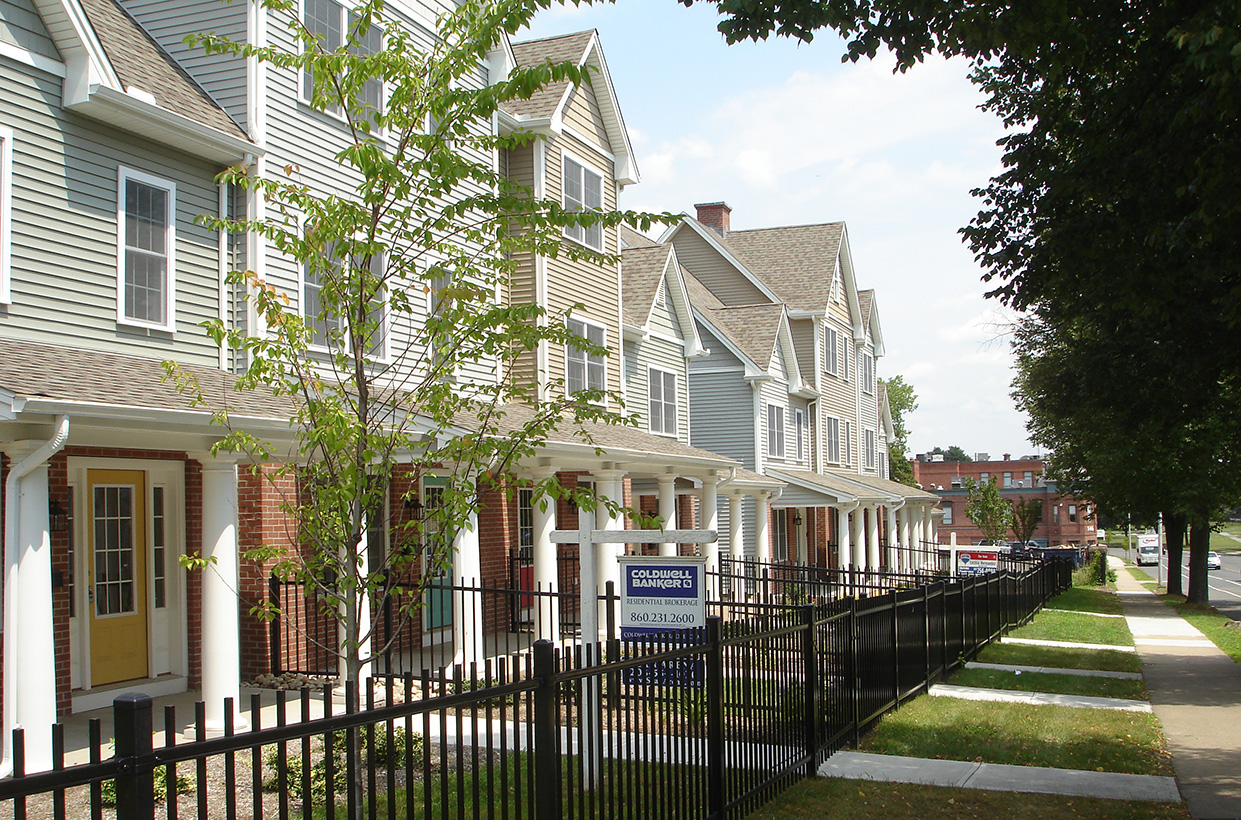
<point x="787" y="135"/>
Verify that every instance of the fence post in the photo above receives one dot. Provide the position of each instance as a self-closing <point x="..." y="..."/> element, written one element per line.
<point x="715" y="717"/>
<point x="273" y="588"/>
<point x="135" y="787"/>
<point x="810" y="660"/>
<point x="613" y="645"/>
<point x="855" y="688"/>
<point x="896" y="650"/>
<point x="926" y="630"/>
<point x="546" y="734"/>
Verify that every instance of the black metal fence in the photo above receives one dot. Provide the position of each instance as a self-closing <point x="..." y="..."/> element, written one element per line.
<point x="707" y="724"/>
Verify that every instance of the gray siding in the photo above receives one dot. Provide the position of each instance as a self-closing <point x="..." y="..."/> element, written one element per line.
<point x="665" y="355"/>
<point x="723" y="279"/>
<point x="171" y="21"/>
<point x="64" y="231"/>
<point x="723" y="418"/>
<point x="21" y="25"/>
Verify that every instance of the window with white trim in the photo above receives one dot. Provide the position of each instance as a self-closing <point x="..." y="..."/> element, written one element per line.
<point x="775" y="431"/>
<point x="1072" y="513"/>
<point x="868" y="374"/>
<point x="146" y="245"/>
<point x="947" y="508"/>
<point x="848" y="442"/>
<point x="584" y="370"/>
<point x="831" y="351"/>
<point x="780" y="534"/>
<point x="6" y="215"/>
<point x="832" y="438"/>
<point x="324" y="324"/>
<point x="662" y="401"/>
<point x="869" y="451"/>
<point x="583" y="191"/>
<point x="799" y="429"/>
<point x="844" y="357"/>
<point x="332" y="24"/>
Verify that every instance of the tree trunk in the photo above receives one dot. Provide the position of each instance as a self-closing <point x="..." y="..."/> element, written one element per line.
<point x="1199" y="544"/>
<point x="1174" y="531"/>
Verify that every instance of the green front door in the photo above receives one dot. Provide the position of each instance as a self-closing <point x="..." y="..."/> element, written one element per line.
<point x="439" y="579"/>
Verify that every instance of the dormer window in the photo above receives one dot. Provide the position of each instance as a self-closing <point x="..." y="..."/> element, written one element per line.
<point x="583" y="191"/>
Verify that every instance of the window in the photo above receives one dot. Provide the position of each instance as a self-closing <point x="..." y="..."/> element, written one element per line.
<point x="71" y="587"/>
<point x="6" y="214"/>
<point x="1029" y="478"/>
<point x="780" y="535"/>
<point x="331" y="23"/>
<point x="947" y="507"/>
<point x="1072" y="513"/>
<point x="869" y="451"/>
<point x="775" y="431"/>
<point x="662" y="401"/>
<point x="832" y="438"/>
<point x="317" y="323"/>
<point x="146" y="239"/>
<point x="1008" y="481"/>
<point x="159" y="542"/>
<point x="848" y="442"/>
<point x="983" y="478"/>
<point x="831" y="350"/>
<point x="440" y="341"/>
<point x="323" y="325"/>
<point x="583" y="191"/>
<point x="583" y="370"/>
<point x="868" y="374"/>
<point x="799" y="429"/>
<point x="844" y="358"/>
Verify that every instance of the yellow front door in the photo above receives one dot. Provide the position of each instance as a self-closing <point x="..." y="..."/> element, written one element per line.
<point x="118" y="575"/>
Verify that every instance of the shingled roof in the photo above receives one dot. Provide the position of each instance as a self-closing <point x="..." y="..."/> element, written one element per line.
<point x="141" y="63"/>
<point x="641" y="271"/>
<point x="567" y="48"/>
<point x="754" y="329"/>
<point x="632" y="239"/>
<point x="796" y="262"/>
<point x="865" y="300"/>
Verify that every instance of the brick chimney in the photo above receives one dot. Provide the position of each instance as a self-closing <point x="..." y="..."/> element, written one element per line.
<point x="715" y="216"/>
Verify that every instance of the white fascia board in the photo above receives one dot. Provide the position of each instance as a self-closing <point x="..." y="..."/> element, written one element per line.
<point x="10" y="405"/>
<point x="876" y="331"/>
<point x="86" y="60"/>
<point x="689" y="329"/>
<point x="752" y="371"/>
<point x="836" y="495"/>
<point x="713" y="240"/>
<point x="784" y="338"/>
<point x="136" y="115"/>
<point x="500" y="59"/>
<point x="578" y="454"/>
<point x="625" y="166"/>
<point x="634" y="333"/>
<point x="846" y="273"/>
<point x="806" y="314"/>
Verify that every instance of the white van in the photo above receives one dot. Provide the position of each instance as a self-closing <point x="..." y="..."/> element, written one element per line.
<point x="1148" y="549"/>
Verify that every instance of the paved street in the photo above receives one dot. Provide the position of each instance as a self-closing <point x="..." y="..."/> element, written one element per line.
<point x="1224" y="584"/>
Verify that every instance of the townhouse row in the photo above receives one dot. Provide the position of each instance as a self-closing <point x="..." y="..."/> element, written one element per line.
<point x="748" y="357"/>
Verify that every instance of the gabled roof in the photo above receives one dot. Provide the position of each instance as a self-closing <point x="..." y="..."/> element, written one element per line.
<point x="797" y="262"/>
<point x="870" y="319"/>
<point x="642" y="271"/>
<point x="544" y="110"/>
<point x="718" y="244"/>
<point x="117" y="73"/>
<point x="632" y="239"/>
<point x="752" y="330"/>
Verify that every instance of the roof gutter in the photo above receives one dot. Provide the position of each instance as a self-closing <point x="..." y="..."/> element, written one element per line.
<point x="12" y="508"/>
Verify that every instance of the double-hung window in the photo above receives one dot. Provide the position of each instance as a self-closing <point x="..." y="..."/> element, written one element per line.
<point x="585" y="370"/>
<point x="832" y="438"/>
<point x="868" y="374"/>
<point x="868" y="437"/>
<point x="323" y="324"/>
<point x="331" y="24"/>
<point x="848" y="442"/>
<point x="831" y="350"/>
<point x="6" y="214"/>
<point x="583" y="191"/>
<point x="662" y="401"/>
<point x="146" y="243"/>
<point x="799" y="430"/>
<point x="775" y="431"/>
<point x="947" y="508"/>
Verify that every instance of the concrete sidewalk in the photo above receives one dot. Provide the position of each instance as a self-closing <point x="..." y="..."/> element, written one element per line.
<point x="1195" y="691"/>
<point x="999" y="777"/>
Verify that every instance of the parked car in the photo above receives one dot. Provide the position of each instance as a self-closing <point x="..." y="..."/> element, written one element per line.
<point x="1148" y="554"/>
<point x="1213" y="561"/>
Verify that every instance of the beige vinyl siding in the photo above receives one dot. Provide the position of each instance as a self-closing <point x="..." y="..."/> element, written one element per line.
<point x="519" y="163"/>
<point x="21" y="25"/>
<point x="171" y="21"/>
<point x="719" y="275"/>
<point x="583" y="116"/>
<point x="802" y="331"/>
<point x="664" y="320"/>
<point x="64" y="231"/>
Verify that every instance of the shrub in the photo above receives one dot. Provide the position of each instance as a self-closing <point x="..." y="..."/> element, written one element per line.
<point x="1095" y="572"/>
<point x="107" y="788"/>
<point x="403" y="746"/>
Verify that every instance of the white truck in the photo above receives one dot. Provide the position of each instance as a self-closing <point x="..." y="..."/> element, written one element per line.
<point x="1148" y="549"/>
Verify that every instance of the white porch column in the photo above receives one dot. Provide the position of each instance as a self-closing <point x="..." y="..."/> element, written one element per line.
<point x="29" y="644"/>
<point x="908" y="553"/>
<point x="221" y="655"/>
<point x="762" y="532"/>
<point x="928" y="528"/>
<point x="711" y="519"/>
<point x="668" y="509"/>
<point x="844" y="552"/>
<point x="872" y="537"/>
<point x="546" y="572"/>
<point x="857" y="536"/>
<point x="609" y="484"/>
<point x="467" y="606"/>
<point x="894" y="539"/>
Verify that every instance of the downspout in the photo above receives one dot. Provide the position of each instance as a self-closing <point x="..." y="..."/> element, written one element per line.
<point x="11" y="507"/>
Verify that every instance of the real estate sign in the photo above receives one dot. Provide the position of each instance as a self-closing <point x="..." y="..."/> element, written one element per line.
<point x="662" y="596"/>
<point x="977" y="562"/>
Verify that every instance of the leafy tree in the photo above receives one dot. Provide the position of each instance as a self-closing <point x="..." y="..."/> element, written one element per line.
<point x="407" y="357"/>
<point x="1026" y="516"/>
<point x="987" y="509"/>
<point x="953" y="453"/>
<point x="901" y="400"/>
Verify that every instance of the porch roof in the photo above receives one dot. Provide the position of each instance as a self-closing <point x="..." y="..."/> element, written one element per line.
<point x="833" y="489"/>
<point x="893" y="488"/>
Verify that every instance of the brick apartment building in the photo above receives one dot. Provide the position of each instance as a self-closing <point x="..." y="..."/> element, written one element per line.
<point x="1066" y="520"/>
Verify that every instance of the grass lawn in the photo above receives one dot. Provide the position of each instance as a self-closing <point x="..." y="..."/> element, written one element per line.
<point x="1221" y="542"/>
<point x="1077" y="627"/>
<point x="1052" y="683"/>
<point x="1222" y="630"/>
<point x="1087" y="599"/>
<point x="1057" y="736"/>
<point x="1108" y="660"/>
<point x="829" y="799"/>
